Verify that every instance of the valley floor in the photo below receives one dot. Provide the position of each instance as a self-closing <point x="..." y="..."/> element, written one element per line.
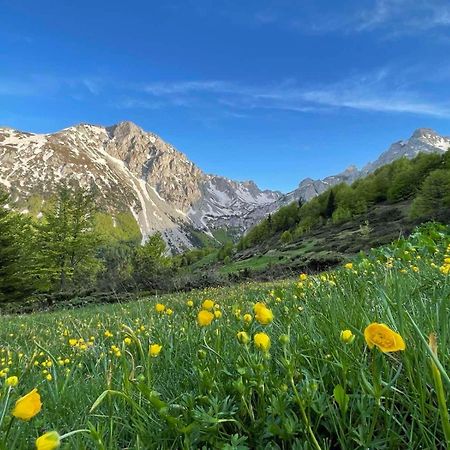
<point x="287" y="364"/>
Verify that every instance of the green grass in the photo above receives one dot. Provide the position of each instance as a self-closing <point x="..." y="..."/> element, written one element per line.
<point x="254" y="263"/>
<point x="207" y="390"/>
<point x="275" y="257"/>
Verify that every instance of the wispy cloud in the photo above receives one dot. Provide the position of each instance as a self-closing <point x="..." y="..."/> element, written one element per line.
<point x="386" y="90"/>
<point x="37" y="85"/>
<point x="406" y="16"/>
<point x="390" y="17"/>
<point x="383" y="90"/>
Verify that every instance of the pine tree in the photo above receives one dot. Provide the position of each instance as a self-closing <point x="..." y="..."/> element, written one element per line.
<point x="67" y="240"/>
<point x="14" y="283"/>
<point x="331" y="205"/>
<point x="150" y="262"/>
<point x="433" y="200"/>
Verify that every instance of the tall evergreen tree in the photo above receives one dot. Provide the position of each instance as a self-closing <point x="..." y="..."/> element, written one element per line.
<point x="150" y="262"/>
<point x="433" y="200"/>
<point x="67" y="240"/>
<point x="14" y="282"/>
<point x="331" y="205"/>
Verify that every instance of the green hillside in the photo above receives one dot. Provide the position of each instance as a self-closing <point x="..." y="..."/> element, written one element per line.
<point x="342" y="221"/>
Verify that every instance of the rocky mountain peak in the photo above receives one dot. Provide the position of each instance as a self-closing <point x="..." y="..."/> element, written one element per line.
<point x="424" y="133"/>
<point x="124" y="129"/>
<point x="351" y="169"/>
<point x="134" y="171"/>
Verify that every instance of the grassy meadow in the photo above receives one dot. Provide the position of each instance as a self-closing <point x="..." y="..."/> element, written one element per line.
<point x="296" y="373"/>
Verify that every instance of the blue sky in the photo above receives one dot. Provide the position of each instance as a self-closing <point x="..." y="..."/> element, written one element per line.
<point x="269" y="90"/>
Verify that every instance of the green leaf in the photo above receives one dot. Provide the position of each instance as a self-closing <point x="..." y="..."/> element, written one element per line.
<point x="341" y="398"/>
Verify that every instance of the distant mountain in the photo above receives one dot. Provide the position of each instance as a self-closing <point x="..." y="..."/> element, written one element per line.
<point x="137" y="173"/>
<point x="133" y="171"/>
<point x="423" y="140"/>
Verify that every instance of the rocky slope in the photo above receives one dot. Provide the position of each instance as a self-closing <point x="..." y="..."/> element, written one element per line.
<point x="137" y="172"/>
<point x="134" y="171"/>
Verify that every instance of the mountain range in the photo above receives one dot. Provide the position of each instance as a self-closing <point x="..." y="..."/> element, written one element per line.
<point x="137" y="173"/>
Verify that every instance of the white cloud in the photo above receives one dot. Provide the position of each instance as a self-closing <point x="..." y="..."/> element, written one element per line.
<point x="38" y="85"/>
<point x="388" y="90"/>
<point x="383" y="90"/>
<point x="391" y="17"/>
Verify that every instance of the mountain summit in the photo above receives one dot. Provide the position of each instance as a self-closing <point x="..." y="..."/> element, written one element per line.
<point x="423" y="140"/>
<point x="134" y="171"/>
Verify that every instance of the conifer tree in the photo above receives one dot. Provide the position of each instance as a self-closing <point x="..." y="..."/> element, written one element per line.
<point x="67" y="240"/>
<point x="14" y="283"/>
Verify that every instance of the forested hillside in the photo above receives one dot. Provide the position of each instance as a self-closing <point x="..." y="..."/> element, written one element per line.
<point x="424" y="180"/>
<point x="342" y="221"/>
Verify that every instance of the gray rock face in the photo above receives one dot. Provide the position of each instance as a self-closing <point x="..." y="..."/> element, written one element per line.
<point x="423" y="140"/>
<point x="134" y="171"/>
<point x="230" y="204"/>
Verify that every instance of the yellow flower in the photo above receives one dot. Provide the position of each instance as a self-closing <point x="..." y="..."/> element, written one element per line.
<point x="243" y="337"/>
<point x="347" y="336"/>
<point x="12" y="381"/>
<point x="264" y="315"/>
<point x="217" y="314"/>
<point x="205" y="318"/>
<point x="247" y="318"/>
<point x="155" y="350"/>
<point x="28" y="406"/>
<point x="73" y="342"/>
<point x="208" y="305"/>
<point x="48" y="441"/>
<point x="380" y="335"/>
<point x="257" y="306"/>
<point x="127" y="341"/>
<point x="169" y="311"/>
<point x="190" y="303"/>
<point x="349" y="266"/>
<point x="159" y="307"/>
<point x="262" y="341"/>
<point x="49" y="377"/>
<point x="303" y="277"/>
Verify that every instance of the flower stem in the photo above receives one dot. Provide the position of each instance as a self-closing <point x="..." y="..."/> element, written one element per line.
<point x="304" y="416"/>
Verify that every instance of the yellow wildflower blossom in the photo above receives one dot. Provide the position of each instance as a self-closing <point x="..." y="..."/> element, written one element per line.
<point x="204" y="318"/>
<point x="347" y="336"/>
<point x="208" y="305"/>
<point x="155" y="350"/>
<point x="27" y="406"/>
<point x="12" y="381"/>
<point x="159" y="307"/>
<point x="264" y="316"/>
<point x="262" y="341"/>
<point x="380" y="335"/>
<point x="48" y="441"/>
